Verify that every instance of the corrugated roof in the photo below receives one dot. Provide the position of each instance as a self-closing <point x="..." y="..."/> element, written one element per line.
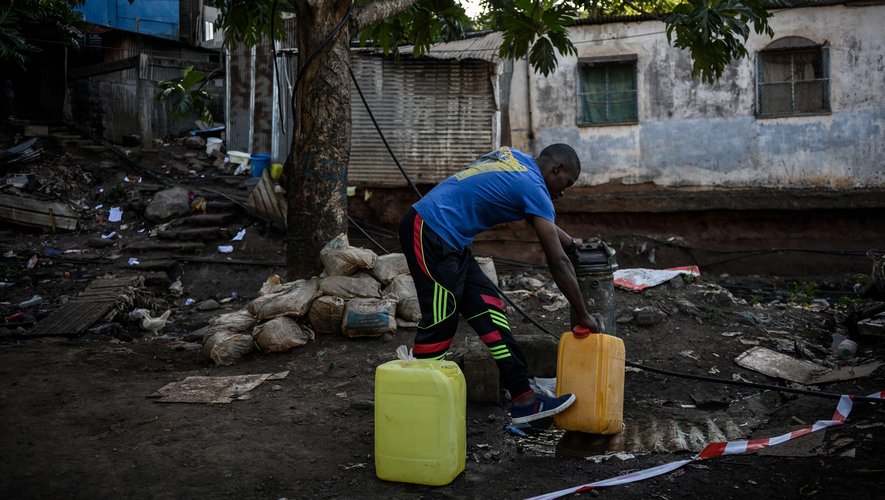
<point x="634" y="18"/>
<point x="484" y="47"/>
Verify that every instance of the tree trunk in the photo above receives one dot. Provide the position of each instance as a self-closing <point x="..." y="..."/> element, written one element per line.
<point x="316" y="169"/>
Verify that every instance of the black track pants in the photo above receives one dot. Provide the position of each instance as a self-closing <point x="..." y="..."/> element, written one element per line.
<point x="449" y="283"/>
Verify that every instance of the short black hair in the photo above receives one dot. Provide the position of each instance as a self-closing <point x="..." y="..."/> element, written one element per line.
<point x="562" y="153"/>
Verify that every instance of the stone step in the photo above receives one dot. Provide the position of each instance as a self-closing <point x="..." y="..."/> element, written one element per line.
<point x="214" y="219"/>
<point x="158" y="246"/>
<point x="95" y="148"/>
<point x="194" y="234"/>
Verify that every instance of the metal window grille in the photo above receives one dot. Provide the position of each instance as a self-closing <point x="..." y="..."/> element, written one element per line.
<point x="793" y="82"/>
<point x="607" y="93"/>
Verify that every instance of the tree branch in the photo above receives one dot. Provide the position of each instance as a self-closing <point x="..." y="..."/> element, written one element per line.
<point x="369" y="14"/>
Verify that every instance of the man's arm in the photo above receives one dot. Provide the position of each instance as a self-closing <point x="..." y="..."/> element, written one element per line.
<point x="568" y="243"/>
<point x="561" y="268"/>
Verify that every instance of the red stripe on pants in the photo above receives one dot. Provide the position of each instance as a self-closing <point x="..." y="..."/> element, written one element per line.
<point x="490" y="337"/>
<point x="419" y="251"/>
<point x="428" y="348"/>
<point x="493" y="301"/>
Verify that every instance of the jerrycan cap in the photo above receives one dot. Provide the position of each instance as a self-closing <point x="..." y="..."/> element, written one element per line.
<point x="580" y="331"/>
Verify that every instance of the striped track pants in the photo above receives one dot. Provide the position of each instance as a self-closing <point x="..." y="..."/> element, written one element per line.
<point x="450" y="283"/>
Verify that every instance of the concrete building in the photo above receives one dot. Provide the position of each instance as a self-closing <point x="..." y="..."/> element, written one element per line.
<point x="805" y="109"/>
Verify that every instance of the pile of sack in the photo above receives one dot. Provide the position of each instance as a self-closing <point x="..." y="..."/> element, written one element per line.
<point x="360" y="294"/>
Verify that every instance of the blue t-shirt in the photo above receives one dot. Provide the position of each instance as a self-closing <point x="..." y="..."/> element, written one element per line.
<point x="503" y="186"/>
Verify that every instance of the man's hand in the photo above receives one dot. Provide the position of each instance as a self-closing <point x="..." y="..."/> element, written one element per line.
<point x="594" y="323"/>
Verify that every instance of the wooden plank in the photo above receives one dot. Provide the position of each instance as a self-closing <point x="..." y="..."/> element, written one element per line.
<point x="59" y="209"/>
<point x="268" y="203"/>
<point x="37" y="219"/>
<point x="88" y="307"/>
<point x="169" y="62"/>
<point x="72" y="318"/>
<point x="103" y="68"/>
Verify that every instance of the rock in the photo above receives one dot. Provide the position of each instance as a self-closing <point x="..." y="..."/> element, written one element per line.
<point x="167" y="205"/>
<point x="180" y="168"/>
<point x="648" y="317"/>
<point x="531" y="283"/>
<point x="100" y="242"/>
<point x="208" y="305"/>
<point x="195" y="142"/>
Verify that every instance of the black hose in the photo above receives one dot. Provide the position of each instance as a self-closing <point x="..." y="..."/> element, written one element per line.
<point x="379" y="245"/>
<point x="703" y="378"/>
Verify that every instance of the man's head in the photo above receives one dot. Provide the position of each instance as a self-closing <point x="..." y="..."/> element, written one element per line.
<point x="560" y="168"/>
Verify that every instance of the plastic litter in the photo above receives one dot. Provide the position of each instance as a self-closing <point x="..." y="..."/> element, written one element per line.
<point x="36" y="300"/>
<point x="115" y="215"/>
<point x="846" y="349"/>
<point x="404" y="353"/>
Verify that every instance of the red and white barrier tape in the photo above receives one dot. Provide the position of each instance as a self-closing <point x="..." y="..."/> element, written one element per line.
<point x="717" y="450"/>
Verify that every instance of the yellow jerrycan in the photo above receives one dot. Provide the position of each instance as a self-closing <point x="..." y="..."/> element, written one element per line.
<point x="420" y="421"/>
<point x="591" y="366"/>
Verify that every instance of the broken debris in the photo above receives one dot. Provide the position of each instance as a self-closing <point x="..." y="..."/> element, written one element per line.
<point x="214" y="390"/>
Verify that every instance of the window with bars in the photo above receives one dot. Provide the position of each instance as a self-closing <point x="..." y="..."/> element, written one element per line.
<point x="607" y="91"/>
<point x="793" y="78"/>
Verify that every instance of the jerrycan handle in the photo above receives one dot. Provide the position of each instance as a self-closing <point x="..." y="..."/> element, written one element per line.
<point x="580" y="331"/>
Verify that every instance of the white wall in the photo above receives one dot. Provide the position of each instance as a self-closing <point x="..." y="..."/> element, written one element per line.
<point x="691" y="133"/>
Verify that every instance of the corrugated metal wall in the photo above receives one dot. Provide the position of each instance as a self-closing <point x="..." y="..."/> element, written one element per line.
<point x="252" y="97"/>
<point x="437" y="115"/>
<point x="239" y="87"/>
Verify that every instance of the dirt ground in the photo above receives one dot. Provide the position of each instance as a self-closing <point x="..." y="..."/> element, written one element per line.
<point x="78" y="418"/>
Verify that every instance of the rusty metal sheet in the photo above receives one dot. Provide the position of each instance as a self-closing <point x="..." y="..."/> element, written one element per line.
<point x="71" y="319"/>
<point x="87" y="308"/>
<point x="437" y="116"/>
<point x="484" y="47"/>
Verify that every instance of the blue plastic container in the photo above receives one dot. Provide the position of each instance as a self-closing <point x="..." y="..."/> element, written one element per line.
<point x="260" y="163"/>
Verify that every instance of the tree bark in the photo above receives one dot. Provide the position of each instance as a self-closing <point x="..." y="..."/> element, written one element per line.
<point x="316" y="169"/>
<point x="371" y="13"/>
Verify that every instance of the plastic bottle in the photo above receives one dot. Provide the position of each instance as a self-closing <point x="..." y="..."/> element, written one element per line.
<point x="846" y="349"/>
<point x="420" y="421"/>
<point x="591" y="366"/>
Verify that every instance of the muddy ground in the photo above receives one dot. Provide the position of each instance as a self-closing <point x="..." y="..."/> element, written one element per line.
<point x="78" y="419"/>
